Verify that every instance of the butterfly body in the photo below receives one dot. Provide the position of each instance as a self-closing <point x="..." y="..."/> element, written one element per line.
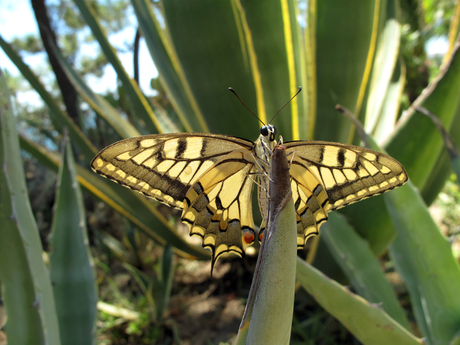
<point x="210" y="178"/>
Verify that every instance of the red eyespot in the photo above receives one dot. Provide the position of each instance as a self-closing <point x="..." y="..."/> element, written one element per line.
<point x="248" y="237"/>
<point x="261" y="236"/>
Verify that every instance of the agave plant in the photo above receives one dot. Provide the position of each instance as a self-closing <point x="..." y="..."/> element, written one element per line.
<point x="340" y="52"/>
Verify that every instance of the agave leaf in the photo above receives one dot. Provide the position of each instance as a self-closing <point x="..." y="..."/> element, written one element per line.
<point x="117" y="249"/>
<point x="59" y="118"/>
<point x="141" y="107"/>
<point x="362" y="268"/>
<point x="26" y="245"/>
<point x="167" y="275"/>
<point x="442" y="169"/>
<point x="386" y="56"/>
<point x="343" y="35"/>
<point x="371" y="220"/>
<point x="97" y="102"/>
<point x="280" y="62"/>
<point x="234" y="56"/>
<point x="71" y="264"/>
<point x="425" y="260"/>
<point x="447" y="139"/>
<point x="368" y="322"/>
<point x="17" y="281"/>
<point x="391" y="103"/>
<point x="172" y="76"/>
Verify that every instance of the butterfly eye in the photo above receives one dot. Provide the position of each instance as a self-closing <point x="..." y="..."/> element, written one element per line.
<point x="264" y="130"/>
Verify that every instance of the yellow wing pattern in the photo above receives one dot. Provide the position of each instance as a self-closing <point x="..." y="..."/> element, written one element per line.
<point x="204" y="175"/>
<point x="327" y="176"/>
<point x="209" y="177"/>
<point x="219" y="208"/>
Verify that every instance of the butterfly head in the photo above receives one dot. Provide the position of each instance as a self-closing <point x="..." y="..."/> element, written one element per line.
<point x="268" y="132"/>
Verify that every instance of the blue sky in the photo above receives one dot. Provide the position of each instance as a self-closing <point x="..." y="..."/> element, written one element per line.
<point x="17" y="20"/>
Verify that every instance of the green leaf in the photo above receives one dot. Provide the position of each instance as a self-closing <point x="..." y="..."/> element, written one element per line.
<point x="97" y="102"/>
<point x="71" y="264"/>
<point x="241" y="57"/>
<point x="117" y="249"/>
<point x="18" y="217"/>
<point x="141" y="107"/>
<point x="59" y="118"/>
<point x="354" y="256"/>
<point x="386" y="56"/>
<point x="371" y="220"/>
<point x="368" y="322"/>
<point x="443" y="166"/>
<point x="449" y="145"/>
<point x="172" y="75"/>
<point x="202" y="61"/>
<point x="167" y="275"/>
<point x="424" y="259"/>
<point x="343" y="35"/>
<point x="24" y="325"/>
<point x="391" y="103"/>
<point x="285" y="52"/>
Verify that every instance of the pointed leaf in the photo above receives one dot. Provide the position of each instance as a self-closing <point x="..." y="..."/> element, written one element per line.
<point x="425" y="260"/>
<point x="171" y="73"/>
<point x="71" y="264"/>
<point x="354" y="256"/>
<point x="139" y="103"/>
<point x="24" y="324"/>
<point x="369" y="324"/>
<point x="59" y="118"/>
<point x="386" y="56"/>
<point x="22" y="220"/>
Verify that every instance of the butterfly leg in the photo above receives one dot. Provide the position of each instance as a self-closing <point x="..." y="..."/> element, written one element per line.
<point x="280" y="142"/>
<point x="292" y="158"/>
<point x="254" y="180"/>
<point x="261" y="168"/>
<point x="267" y="149"/>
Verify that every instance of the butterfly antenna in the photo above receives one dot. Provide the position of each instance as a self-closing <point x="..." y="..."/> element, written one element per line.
<point x="298" y="91"/>
<point x="234" y="92"/>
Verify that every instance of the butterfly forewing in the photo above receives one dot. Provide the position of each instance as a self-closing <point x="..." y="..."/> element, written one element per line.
<point x="165" y="166"/>
<point x="327" y="176"/>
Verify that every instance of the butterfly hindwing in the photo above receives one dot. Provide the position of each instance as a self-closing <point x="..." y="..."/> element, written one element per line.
<point x="310" y="200"/>
<point x="327" y="176"/>
<point x="218" y="207"/>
